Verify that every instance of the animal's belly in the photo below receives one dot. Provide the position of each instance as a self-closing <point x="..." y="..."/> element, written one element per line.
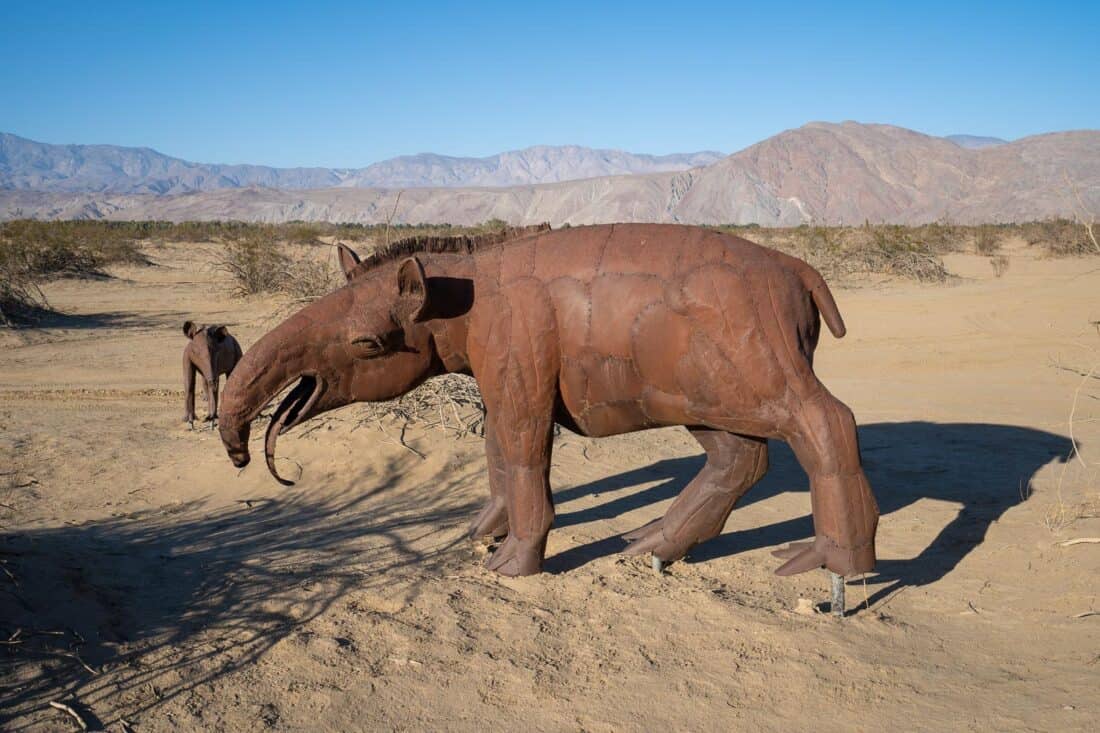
<point x="602" y="396"/>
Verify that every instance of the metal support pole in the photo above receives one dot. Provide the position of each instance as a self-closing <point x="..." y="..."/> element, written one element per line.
<point x="837" y="583"/>
<point x="657" y="564"/>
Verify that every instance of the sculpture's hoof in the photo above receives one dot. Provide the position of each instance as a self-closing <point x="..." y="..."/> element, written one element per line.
<point x="491" y="521"/>
<point x="791" y="550"/>
<point x="651" y="538"/>
<point x="516" y="557"/>
<point x="825" y="553"/>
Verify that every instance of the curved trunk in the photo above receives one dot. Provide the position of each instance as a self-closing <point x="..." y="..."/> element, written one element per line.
<point x="265" y="370"/>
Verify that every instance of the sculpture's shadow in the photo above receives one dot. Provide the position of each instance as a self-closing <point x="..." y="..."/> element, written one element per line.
<point x="984" y="469"/>
<point x="175" y="597"/>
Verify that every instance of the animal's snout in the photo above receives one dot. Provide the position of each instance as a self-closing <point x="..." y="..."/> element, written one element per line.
<point x="240" y="458"/>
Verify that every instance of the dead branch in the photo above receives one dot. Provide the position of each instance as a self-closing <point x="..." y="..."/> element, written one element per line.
<point x="1080" y="541"/>
<point x="1080" y="213"/>
<point x="386" y="236"/>
<point x="69" y="710"/>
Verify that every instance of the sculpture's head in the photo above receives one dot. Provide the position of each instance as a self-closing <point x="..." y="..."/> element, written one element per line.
<point x="365" y="342"/>
<point x="205" y="341"/>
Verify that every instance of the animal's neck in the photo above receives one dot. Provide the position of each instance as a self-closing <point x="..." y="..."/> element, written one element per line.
<point x="451" y="281"/>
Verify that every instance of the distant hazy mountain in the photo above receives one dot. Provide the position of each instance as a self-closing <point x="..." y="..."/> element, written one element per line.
<point x="843" y="173"/>
<point x="975" y="142"/>
<point x="29" y="165"/>
<point x="538" y="164"/>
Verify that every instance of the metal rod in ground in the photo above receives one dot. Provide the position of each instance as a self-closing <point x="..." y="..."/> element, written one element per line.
<point x="837" y="582"/>
<point x="656" y="563"/>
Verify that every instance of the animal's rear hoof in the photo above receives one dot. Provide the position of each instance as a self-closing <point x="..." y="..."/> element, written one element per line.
<point x="792" y="550"/>
<point x="491" y="521"/>
<point x="516" y="557"/>
<point x="826" y="553"/>
<point x="651" y="538"/>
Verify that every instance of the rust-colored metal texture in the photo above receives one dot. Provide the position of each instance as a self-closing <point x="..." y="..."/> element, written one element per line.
<point x="211" y="351"/>
<point x="604" y="330"/>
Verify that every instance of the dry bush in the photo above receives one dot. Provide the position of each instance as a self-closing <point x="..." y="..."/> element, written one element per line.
<point x="987" y="240"/>
<point x="310" y="277"/>
<point x="259" y="263"/>
<point x="256" y="263"/>
<point x="909" y="252"/>
<point x="1059" y="237"/>
<point x="32" y="252"/>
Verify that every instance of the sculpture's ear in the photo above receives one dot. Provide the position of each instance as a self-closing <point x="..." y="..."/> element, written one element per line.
<point x="412" y="290"/>
<point x="219" y="333"/>
<point x="190" y="328"/>
<point x="348" y="259"/>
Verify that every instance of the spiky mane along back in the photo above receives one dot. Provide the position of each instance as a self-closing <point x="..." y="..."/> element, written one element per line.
<point x="457" y="244"/>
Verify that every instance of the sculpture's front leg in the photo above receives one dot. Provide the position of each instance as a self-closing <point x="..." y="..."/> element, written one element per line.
<point x="514" y="353"/>
<point x="530" y="516"/>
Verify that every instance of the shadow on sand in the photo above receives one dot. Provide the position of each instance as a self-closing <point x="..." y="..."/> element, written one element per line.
<point x="173" y="598"/>
<point x="985" y="469"/>
<point x="180" y="596"/>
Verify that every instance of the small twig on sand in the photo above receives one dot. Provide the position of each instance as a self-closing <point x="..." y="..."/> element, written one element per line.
<point x="1086" y="614"/>
<point x="68" y="709"/>
<point x="401" y="441"/>
<point x="1080" y="541"/>
<point x="83" y="664"/>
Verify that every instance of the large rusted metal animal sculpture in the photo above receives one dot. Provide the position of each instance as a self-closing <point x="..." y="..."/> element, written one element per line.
<point x="211" y="351"/>
<point x="605" y="330"/>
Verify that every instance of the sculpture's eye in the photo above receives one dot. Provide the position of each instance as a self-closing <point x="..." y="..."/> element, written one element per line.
<point x="371" y="345"/>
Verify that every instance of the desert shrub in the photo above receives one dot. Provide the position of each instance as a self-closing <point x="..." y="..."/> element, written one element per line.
<point x="298" y="233"/>
<point x="909" y="252"/>
<point x="32" y="252"/>
<point x="259" y="263"/>
<point x="905" y="259"/>
<point x="1059" y="237"/>
<point x="256" y="263"/>
<point x="987" y="240"/>
<point x="309" y="278"/>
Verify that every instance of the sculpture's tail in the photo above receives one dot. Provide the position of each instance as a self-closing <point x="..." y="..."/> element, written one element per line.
<point x="823" y="299"/>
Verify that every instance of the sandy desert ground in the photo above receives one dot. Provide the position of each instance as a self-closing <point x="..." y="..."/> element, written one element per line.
<point x="208" y="600"/>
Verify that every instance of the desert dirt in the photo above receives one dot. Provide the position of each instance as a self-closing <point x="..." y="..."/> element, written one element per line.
<point x="214" y="600"/>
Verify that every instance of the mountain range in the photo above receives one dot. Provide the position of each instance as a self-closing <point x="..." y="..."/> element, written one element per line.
<point x="34" y="166"/>
<point x="821" y="172"/>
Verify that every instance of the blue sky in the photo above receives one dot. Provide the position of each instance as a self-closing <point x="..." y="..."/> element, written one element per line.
<point x="347" y="84"/>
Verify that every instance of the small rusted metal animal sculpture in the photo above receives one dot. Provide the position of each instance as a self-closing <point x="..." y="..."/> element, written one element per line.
<point x="211" y="351"/>
<point x="605" y="330"/>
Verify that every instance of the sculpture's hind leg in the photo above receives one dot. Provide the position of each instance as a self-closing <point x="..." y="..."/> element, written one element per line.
<point x="822" y="432"/>
<point x="492" y="520"/>
<point x="734" y="464"/>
